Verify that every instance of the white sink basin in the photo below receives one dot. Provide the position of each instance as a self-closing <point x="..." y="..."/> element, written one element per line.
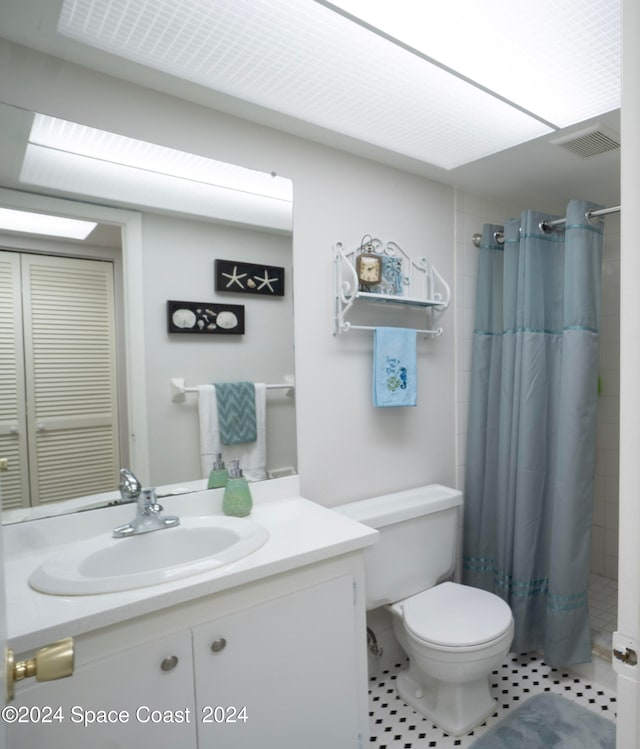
<point x="103" y="564"/>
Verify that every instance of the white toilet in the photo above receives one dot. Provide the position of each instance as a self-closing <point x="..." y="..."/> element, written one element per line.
<point x="454" y="635"/>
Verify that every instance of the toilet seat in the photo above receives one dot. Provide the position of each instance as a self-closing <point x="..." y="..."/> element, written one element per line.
<point x="456" y="616"/>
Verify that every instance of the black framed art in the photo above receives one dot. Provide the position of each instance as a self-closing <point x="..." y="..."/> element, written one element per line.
<point x="249" y="278"/>
<point x="205" y="317"/>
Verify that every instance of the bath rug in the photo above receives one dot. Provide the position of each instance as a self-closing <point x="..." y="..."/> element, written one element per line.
<point x="550" y="720"/>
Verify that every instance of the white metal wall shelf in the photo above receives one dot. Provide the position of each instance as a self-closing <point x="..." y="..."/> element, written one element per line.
<point x="421" y="286"/>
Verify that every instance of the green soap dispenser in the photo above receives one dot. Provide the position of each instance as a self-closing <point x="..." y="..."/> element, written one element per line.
<point x="218" y="476"/>
<point x="237" y="495"/>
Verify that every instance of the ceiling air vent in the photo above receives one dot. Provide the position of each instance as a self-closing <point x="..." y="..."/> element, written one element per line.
<point x="588" y="143"/>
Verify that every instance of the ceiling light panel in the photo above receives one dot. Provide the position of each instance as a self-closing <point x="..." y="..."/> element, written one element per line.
<point x="303" y="59"/>
<point x="41" y="223"/>
<point x="114" y="167"/>
<point x="101" y="145"/>
<point x="106" y="180"/>
<point x="558" y="58"/>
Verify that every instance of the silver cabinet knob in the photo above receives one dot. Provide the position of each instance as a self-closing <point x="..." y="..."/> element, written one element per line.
<point x="218" y="645"/>
<point x="169" y="663"/>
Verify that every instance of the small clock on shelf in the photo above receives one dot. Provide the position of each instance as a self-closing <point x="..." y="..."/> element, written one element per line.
<point x="368" y="263"/>
<point x="369" y="268"/>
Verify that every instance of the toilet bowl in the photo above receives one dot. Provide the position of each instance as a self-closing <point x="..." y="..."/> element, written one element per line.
<point x="454" y="637"/>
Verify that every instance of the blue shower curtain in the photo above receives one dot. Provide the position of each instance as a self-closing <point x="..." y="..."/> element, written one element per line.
<point x="531" y="431"/>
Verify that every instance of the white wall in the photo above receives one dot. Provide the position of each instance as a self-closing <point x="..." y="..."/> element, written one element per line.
<point x="179" y="259"/>
<point x="347" y="449"/>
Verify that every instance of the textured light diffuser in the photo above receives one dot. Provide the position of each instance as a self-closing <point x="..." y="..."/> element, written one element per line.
<point x="42" y="223"/>
<point x="307" y="61"/>
<point x="105" y="165"/>
<point x="559" y="59"/>
<point x="62" y="135"/>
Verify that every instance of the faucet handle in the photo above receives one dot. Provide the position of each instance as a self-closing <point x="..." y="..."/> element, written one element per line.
<point x="130" y="487"/>
<point x="148" y="502"/>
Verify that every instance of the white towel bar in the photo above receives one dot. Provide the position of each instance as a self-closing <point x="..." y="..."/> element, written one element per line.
<point x="350" y="326"/>
<point x="179" y="389"/>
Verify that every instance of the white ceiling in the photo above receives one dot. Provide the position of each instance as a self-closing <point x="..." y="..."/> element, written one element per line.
<point x="537" y="171"/>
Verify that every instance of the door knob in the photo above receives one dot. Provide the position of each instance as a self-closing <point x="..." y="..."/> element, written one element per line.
<point x="54" y="661"/>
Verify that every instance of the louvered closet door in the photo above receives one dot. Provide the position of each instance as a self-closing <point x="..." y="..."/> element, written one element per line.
<point x="13" y="426"/>
<point x="70" y="377"/>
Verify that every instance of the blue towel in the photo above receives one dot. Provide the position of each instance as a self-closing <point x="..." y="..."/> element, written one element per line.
<point x="236" y="402"/>
<point x="394" y="367"/>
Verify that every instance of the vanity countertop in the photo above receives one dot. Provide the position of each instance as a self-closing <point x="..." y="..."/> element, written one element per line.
<point x="301" y="533"/>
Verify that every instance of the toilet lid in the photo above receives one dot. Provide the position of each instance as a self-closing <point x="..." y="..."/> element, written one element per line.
<point x="456" y="615"/>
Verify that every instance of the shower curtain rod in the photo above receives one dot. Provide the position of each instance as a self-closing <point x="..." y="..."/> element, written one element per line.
<point x="547" y="226"/>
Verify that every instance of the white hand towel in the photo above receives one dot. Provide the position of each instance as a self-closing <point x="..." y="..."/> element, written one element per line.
<point x="252" y="455"/>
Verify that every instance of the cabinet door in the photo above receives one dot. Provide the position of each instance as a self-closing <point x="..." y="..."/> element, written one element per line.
<point x="280" y="674"/>
<point x="137" y="698"/>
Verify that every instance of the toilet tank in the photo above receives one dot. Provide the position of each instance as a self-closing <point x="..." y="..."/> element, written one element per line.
<point x="418" y="540"/>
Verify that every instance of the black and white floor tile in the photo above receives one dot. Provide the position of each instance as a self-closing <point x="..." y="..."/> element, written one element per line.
<point x="394" y="725"/>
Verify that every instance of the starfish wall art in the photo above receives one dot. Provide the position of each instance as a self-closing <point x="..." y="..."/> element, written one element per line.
<point x="249" y="278"/>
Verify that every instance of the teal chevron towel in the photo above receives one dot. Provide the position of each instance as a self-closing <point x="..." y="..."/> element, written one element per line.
<point x="236" y="403"/>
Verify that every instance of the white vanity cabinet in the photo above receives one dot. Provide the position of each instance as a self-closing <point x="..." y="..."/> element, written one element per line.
<point x="277" y="662"/>
<point x="136" y="697"/>
<point x="283" y="674"/>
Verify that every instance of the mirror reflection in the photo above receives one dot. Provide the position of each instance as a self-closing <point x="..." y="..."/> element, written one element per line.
<point x="98" y="378"/>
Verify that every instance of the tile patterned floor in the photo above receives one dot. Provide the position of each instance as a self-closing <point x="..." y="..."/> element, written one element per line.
<point x="394" y="725"/>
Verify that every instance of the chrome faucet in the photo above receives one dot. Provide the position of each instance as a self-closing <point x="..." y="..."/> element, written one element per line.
<point x="149" y="517"/>
<point x="130" y="487"/>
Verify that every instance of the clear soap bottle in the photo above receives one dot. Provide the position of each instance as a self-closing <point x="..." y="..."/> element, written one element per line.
<point x="218" y="476"/>
<point x="237" y="495"/>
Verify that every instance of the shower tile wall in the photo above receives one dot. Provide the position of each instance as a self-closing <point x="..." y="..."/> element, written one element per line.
<point x="472" y="211"/>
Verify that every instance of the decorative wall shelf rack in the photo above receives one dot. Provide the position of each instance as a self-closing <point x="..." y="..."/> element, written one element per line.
<point x="420" y="286"/>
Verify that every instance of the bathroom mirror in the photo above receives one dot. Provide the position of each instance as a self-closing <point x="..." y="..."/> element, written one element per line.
<point x="162" y="240"/>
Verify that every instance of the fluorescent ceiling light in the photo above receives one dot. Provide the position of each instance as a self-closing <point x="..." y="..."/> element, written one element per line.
<point x="40" y="223"/>
<point x="558" y="59"/>
<point x="303" y="59"/>
<point x="102" y="145"/>
<point x="112" y="167"/>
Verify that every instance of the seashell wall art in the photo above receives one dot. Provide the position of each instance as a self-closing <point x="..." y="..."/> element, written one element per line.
<point x="205" y="317"/>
